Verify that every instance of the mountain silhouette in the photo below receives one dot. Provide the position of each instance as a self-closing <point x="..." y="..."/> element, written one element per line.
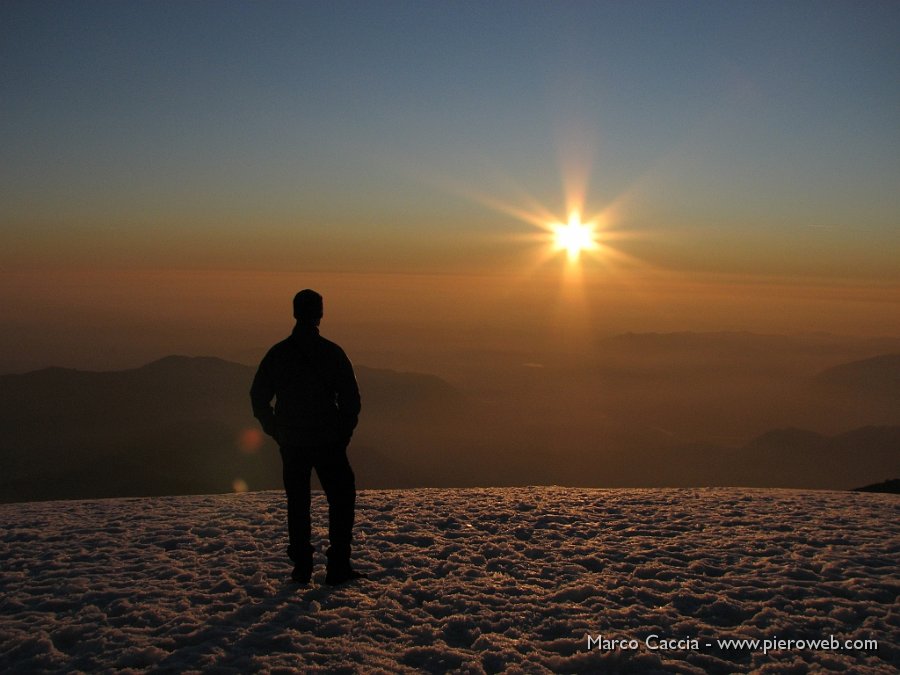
<point x="179" y="425"/>
<point x="182" y="425"/>
<point x="879" y="376"/>
<point x="800" y="458"/>
<point x="737" y="351"/>
<point x="891" y="486"/>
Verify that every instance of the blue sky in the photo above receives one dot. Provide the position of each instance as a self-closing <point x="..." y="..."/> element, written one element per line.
<point x="341" y="127"/>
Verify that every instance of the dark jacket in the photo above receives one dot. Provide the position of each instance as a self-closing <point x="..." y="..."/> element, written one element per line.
<point x="316" y="395"/>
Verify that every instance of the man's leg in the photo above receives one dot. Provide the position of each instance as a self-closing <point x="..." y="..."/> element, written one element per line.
<point x="339" y="485"/>
<point x="296" y="472"/>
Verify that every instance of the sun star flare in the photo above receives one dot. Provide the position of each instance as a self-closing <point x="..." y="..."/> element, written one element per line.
<point x="574" y="237"/>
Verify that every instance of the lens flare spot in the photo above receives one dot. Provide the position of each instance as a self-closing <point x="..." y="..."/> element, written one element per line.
<point x="239" y="485"/>
<point x="250" y="441"/>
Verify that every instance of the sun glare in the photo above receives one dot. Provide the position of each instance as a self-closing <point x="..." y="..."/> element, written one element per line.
<point x="574" y="237"/>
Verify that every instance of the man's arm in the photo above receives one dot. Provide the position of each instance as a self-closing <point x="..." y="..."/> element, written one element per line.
<point x="348" y="399"/>
<point x="262" y="391"/>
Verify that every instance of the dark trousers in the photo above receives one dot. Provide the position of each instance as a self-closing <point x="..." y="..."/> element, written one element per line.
<point x="339" y="484"/>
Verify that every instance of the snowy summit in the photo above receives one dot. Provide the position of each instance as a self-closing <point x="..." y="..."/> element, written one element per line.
<point x="463" y="580"/>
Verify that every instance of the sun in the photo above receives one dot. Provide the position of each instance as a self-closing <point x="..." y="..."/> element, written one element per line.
<point x="574" y="237"/>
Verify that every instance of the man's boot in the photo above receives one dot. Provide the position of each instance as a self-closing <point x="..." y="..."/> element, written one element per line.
<point x="339" y="569"/>
<point x="303" y="564"/>
<point x="341" y="575"/>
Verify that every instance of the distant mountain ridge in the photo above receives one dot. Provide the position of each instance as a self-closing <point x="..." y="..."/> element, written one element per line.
<point x="739" y="351"/>
<point x="694" y="340"/>
<point x="875" y="375"/>
<point x="172" y="426"/>
<point x="891" y="486"/>
<point x="785" y="457"/>
<point x="204" y="374"/>
<point x="686" y="341"/>
<point x="183" y="425"/>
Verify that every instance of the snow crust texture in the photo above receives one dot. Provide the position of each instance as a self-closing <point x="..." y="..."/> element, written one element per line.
<point x="472" y="581"/>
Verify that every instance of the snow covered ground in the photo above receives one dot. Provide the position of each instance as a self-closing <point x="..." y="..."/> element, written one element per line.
<point x="475" y="580"/>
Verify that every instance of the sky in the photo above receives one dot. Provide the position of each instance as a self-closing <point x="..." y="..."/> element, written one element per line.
<point x="175" y="171"/>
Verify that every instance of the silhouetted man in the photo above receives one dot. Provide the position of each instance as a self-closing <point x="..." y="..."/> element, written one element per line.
<point x="316" y="410"/>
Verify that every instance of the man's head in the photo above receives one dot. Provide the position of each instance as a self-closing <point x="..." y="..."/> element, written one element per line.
<point x="308" y="307"/>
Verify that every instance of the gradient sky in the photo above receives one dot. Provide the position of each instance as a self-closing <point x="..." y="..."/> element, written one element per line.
<point x="754" y="139"/>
